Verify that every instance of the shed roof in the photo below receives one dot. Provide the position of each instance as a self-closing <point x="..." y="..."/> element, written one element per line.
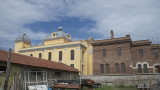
<point x="37" y="62"/>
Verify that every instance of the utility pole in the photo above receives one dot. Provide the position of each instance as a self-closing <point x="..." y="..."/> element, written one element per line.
<point x="8" y="69"/>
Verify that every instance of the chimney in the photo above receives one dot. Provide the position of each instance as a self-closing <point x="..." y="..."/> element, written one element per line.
<point x="128" y="36"/>
<point x="112" y="35"/>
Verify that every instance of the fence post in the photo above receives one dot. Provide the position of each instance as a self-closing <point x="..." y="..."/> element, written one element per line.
<point x="8" y="69"/>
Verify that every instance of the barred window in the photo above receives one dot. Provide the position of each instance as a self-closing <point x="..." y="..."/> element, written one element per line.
<point x="60" y="55"/>
<point x="102" y="68"/>
<point x="72" y="54"/>
<point x="155" y="55"/>
<point x="40" y="55"/>
<point x="72" y="65"/>
<point x="117" y="67"/>
<point x="139" y="68"/>
<point x="145" y="68"/>
<point x="104" y="52"/>
<point x="119" y="51"/>
<point x="140" y="53"/>
<point x="107" y="68"/>
<point x="122" y="67"/>
<point x="49" y="56"/>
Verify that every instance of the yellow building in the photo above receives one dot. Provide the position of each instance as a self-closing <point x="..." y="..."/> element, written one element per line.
<point x="59" y="47"/>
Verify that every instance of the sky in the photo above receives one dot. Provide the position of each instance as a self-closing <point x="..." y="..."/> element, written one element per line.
<point x="80" y="18"/>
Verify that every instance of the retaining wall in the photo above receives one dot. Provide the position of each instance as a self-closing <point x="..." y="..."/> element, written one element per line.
<point x="125" y="80"/>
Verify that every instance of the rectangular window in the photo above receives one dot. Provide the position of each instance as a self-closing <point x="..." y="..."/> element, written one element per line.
<point x="2" y="69"/>
<point x="104" y="52"/>
<point x="140" y="53"/>
<point x="72" y="65"/>
<point x="155" y="55"/>
<point x="58" y="74"/>
<point x="119" y="51"/>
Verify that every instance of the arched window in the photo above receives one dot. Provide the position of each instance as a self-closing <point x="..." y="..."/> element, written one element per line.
<point x="102" y="68"/>
<point x="40" y="55"/>
<point x="82" y="55"/>
<point x="155" y="55"/>
<point x="145" y="68"/>
<point x="49" y="56"/>
<point x="31" y="54"/>
<point x="122" y="67"/>
<point x="117" y="67"/>
<point x="107" y="68"/>
<point x="72" y="54"/>
<point x="139" y="68"/>
<point x="60" y="55"/>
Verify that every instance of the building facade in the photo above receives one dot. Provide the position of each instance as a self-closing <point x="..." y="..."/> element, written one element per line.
<point x="59" y="47"/>
<point x="26" y="71"/>
<point x="124" y="56"/>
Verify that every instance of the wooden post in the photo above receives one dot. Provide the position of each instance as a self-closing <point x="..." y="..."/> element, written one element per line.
<point x="8" y="69"/>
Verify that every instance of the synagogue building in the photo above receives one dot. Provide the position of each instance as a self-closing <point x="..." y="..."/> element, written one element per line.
<point x="58" y="46"/>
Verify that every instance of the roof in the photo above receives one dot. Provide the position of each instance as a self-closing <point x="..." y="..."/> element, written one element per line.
<point x="36" y="62"/>
<point x="155" y="46"/>
<point x="59" y="34"/>
<point x="24" y="38"/>
<point x="141" y="42"/>
<point x="109" y="41"/>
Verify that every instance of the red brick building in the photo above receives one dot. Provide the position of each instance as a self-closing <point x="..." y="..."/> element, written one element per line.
<point x="124" y="56"/>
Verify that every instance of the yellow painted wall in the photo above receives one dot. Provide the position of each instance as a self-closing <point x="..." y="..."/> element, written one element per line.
<point x="21" y="45"/>
<point x="55" y="41"/>
<point x="78" y="61"/>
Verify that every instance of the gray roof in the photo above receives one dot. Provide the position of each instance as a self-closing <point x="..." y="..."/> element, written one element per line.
<point x="59" y="34"/>
<point x="24" y="38"/>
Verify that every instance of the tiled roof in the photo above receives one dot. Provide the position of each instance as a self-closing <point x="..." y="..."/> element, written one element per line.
<point x="36" y="62"/>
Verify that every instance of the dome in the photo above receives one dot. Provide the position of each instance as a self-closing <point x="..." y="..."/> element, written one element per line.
<point x="59" y="34"/>
<point x="24" y="38"/>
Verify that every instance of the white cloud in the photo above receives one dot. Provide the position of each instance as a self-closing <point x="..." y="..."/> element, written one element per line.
<point x="123" y="16"/>
<point x="140" y="18"/>
<point x="14" y="14"/>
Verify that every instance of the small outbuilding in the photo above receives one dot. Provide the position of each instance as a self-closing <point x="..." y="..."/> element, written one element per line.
<point x="28" y="71"/>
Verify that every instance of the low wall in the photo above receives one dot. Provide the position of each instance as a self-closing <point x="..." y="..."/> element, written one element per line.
<point x="125" y="80"/>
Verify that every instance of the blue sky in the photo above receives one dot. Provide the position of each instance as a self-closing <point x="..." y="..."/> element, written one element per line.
<point x="80" y="18"/>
